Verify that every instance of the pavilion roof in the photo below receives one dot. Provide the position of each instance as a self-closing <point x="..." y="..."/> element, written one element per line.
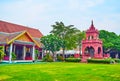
<point x="11" y="28"/>
<point x="8" y="38"/>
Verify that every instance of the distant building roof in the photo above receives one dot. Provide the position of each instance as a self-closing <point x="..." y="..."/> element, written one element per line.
<point x="11" y="28"/>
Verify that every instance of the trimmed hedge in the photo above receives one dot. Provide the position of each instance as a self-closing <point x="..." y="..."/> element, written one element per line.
<point x="103" y="61"/>
<point x="72" y="59"/>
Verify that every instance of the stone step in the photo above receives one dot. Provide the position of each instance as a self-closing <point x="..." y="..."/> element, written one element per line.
<point x="84" y="60"/>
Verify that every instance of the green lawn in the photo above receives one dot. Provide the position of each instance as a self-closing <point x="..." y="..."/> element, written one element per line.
<point x="59" y="72"/>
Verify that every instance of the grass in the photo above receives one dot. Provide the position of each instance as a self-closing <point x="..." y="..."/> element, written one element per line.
<point x="59" y="71"/>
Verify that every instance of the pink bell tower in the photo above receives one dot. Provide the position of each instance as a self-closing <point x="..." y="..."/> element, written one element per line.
<point x="92" y="45"/>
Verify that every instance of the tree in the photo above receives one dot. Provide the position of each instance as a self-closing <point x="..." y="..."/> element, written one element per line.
<point x="79" y="37"/>
<point x="111" y="41"/>
<point x="66" y="33"/>
<point x="51" y="43"/>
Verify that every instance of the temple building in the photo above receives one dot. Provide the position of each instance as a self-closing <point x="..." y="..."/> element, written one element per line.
<point x="92" y="45"/>
<point x="20" y="42"/>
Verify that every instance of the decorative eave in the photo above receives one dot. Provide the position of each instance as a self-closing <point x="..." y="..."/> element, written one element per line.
<point x="15" y="38"/>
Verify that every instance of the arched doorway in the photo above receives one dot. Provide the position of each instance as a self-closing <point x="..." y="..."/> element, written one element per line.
<point x="89" y="51"/>
<point x="99" y="50"/>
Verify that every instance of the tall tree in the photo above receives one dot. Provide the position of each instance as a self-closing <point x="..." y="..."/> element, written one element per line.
<point x="79" y="37"/>
<point x="111" y="41"/>
<point x="51" y="43"/>
<point x="66" y="33"/>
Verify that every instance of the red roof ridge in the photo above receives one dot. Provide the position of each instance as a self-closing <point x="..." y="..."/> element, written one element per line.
<point x="17" y="24"/>
<point x="11" y="27"/>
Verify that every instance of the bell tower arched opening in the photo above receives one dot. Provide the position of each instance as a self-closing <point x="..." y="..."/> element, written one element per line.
<point x="89" y="51"/>
<point x="99" y="50"/>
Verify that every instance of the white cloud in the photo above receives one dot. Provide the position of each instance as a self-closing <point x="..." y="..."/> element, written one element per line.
<point x="84" y="4"/>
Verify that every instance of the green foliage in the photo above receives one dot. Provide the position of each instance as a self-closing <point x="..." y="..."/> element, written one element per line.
<point x="103" y="61"/>
<point x="72" y="59"/>
<point x="36" y="54"/>
<point x="1" y="53"/>
<point x="51" y="43"/>
<point x="110" y="40"/>
<point x="13" y="56"/>
<point x="117" y="60"/>
<point x="66" y="33"/>
<point x="36" y="51"/>
<point x="47" y="58"/>
<point x="60" y="58"/>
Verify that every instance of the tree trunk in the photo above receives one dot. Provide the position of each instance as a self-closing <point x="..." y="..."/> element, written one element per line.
<point x="79" y="49"/>
<point x="63" y="52"/>
<point x="54" y="56"/>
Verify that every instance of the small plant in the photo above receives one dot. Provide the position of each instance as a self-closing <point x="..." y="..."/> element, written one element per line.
<point x="60" y="58"/>
<point x="13" y="56"/>
<point x="71" y="57"/>
<point x="1" y="53"/>
<point x="36" y="56"/>
<point x="48" y="58"/>
<point x="117" y="60"/>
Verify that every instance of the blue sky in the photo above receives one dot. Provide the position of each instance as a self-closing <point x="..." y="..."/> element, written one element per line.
<point x="41" y="14"/>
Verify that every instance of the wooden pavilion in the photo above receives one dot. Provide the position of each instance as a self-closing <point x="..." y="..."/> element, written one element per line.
<point x="21" y="41"/>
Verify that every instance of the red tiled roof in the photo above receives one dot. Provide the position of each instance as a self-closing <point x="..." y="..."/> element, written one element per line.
<point x="11" y="28"/>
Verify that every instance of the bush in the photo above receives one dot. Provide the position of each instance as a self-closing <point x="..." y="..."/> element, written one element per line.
<point x="117" y="60"/>
<point x="104" y="61"/>
<point x="60" y="58"/>
<point x="47" y="58"/>
<point x="1" y="53"/>
<point x="13" y="56"/>
<point x="72" y="59"/>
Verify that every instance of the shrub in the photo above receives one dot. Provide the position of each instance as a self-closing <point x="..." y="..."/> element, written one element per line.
<point x="1" y="53"/>
<point x="72" y="59"/>
<point x="13" y="56"/>
<point x="36" y="52"/>
<point x="47" y="58"/>
<point x="104" y="61"/>
<point x="117" y="60"/>
<point x="60" y="58"/>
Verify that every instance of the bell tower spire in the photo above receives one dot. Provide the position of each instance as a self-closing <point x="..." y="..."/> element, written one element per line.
<point x="92" y="25"/>
<point x="92" y="22"/>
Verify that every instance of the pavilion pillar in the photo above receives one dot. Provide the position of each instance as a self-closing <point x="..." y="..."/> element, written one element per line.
<point x="24" y="52"/>
<point x="10" y="53"/>
<point x="14" y="48"/>
<point x="33" y="52"/>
